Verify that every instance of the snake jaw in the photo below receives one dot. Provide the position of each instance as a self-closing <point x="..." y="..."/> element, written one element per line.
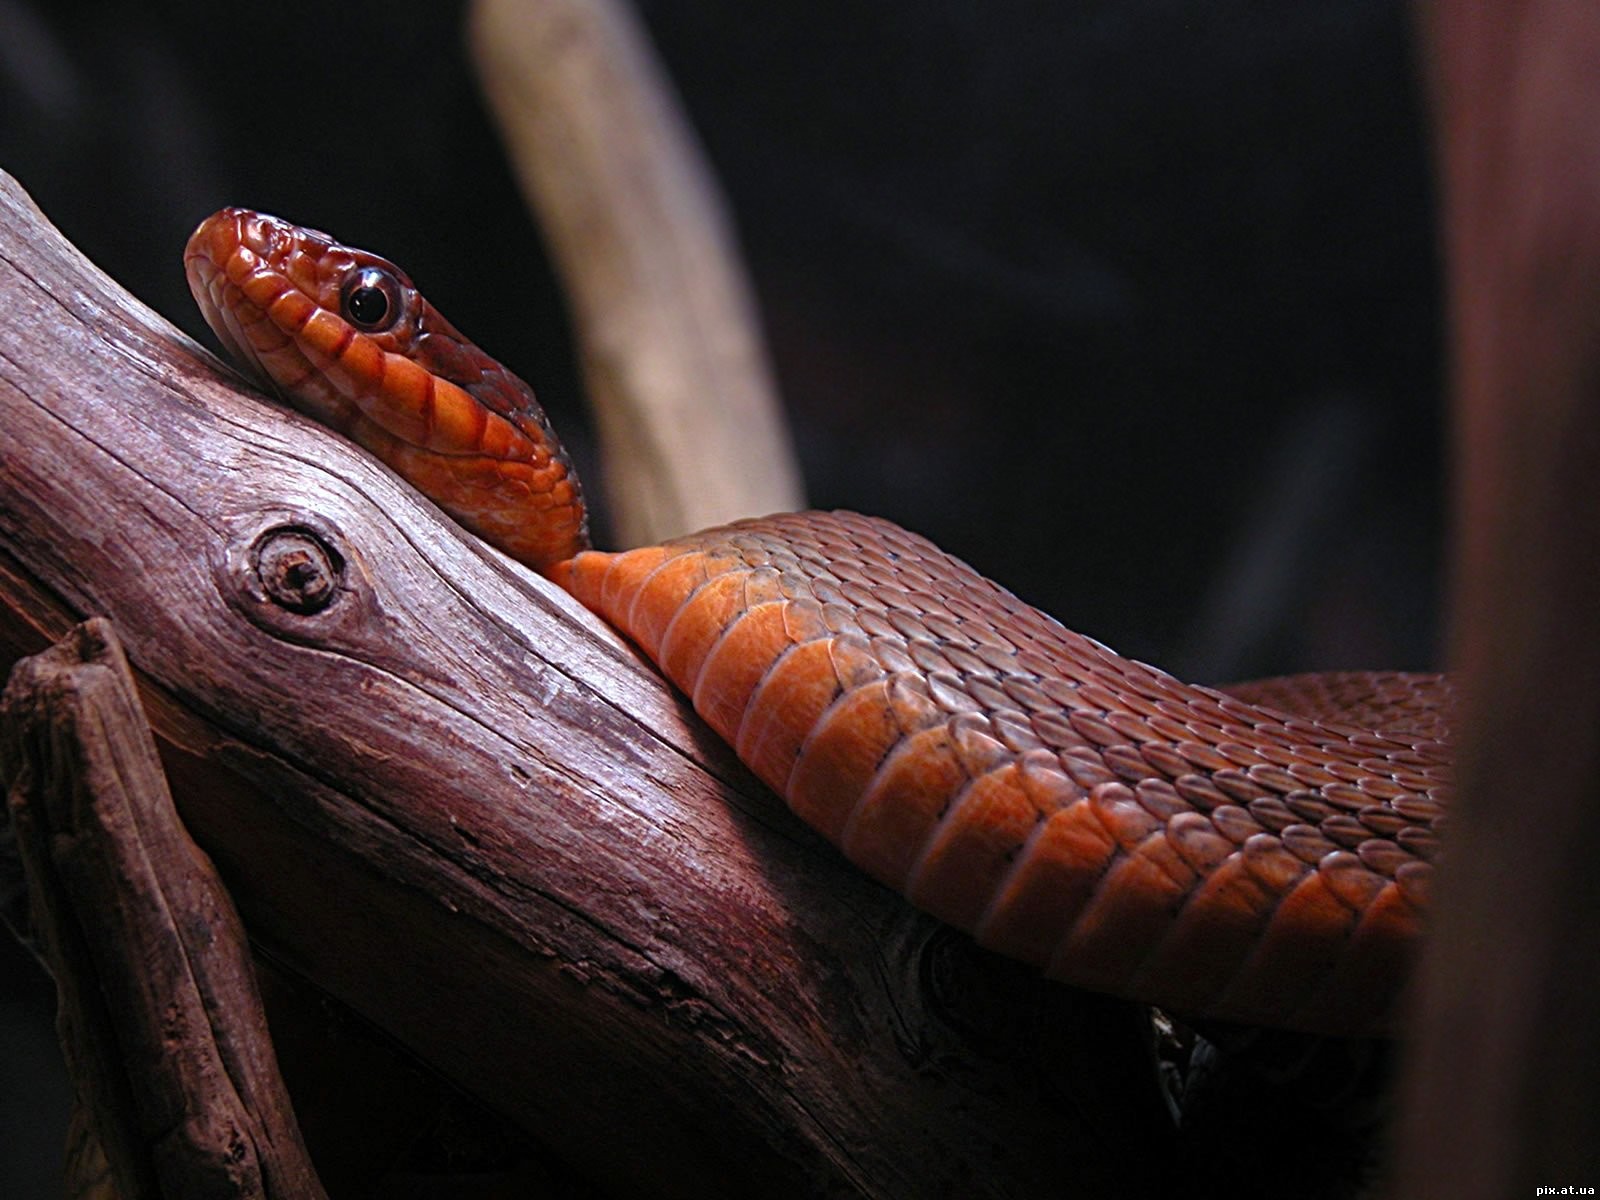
<point x="403" y="383"/>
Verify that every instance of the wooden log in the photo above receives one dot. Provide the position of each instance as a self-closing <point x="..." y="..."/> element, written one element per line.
<point x="1503" y="1094"/>
<point x="160" y="1017"/>
<point x="450" y="797"/>
<point x="691" y="430"/>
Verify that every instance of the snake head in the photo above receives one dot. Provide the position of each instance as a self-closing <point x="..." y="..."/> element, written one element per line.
<point x="346" y="337"/>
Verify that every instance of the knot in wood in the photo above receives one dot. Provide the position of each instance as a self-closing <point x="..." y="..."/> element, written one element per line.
<point x="298" y="570"/>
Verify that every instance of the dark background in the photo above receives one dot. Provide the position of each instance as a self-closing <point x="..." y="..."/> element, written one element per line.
<point x="1131" y="304"/>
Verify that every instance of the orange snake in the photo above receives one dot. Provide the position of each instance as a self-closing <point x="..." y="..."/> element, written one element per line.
<point x="1258" y="854"/>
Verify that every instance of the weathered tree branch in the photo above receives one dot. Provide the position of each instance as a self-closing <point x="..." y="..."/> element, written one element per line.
<point x="160" y="1016"/>
<point x="690" y="426"/>
<point x="448" y="796"/>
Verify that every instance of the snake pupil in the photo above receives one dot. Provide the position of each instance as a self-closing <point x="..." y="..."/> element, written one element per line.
<point x="371" y="299"/>
<point x="368" y="305"/>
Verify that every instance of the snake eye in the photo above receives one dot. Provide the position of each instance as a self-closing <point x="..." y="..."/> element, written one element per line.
<point x="372" y="299"/>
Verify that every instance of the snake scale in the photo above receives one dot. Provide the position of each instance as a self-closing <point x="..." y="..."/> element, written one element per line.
<point x="1260" y="853"/>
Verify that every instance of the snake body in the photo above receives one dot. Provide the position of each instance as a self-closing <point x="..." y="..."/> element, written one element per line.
<point x="1260" y="854"/>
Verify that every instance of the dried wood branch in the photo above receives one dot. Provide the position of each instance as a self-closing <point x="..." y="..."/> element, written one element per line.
<point x="160" y="1017"/>
<point x="444" y="793"/>
<point x="690" y="426"/>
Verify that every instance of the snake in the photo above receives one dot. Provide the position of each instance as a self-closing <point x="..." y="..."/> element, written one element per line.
<point x="1259" y="853"/>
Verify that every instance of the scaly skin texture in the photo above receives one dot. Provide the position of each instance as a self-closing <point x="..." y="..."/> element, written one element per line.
<point x="1260" y="856"/>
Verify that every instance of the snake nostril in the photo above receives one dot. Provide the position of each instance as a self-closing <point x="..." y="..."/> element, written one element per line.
<point x="260" y="234"/>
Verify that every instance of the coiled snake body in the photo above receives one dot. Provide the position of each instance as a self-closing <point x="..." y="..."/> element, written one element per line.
<point x="1259" y="854"/>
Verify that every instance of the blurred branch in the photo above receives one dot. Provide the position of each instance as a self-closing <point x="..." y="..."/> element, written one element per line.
<point x="1503" y="1093"/>
<point x="689" y="418"/>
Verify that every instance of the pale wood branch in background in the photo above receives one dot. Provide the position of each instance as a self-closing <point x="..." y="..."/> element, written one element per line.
<point x="690" y="426"/>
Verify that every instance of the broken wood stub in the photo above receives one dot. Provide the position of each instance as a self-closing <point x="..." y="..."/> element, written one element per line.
<point x="159" y="1014"/>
